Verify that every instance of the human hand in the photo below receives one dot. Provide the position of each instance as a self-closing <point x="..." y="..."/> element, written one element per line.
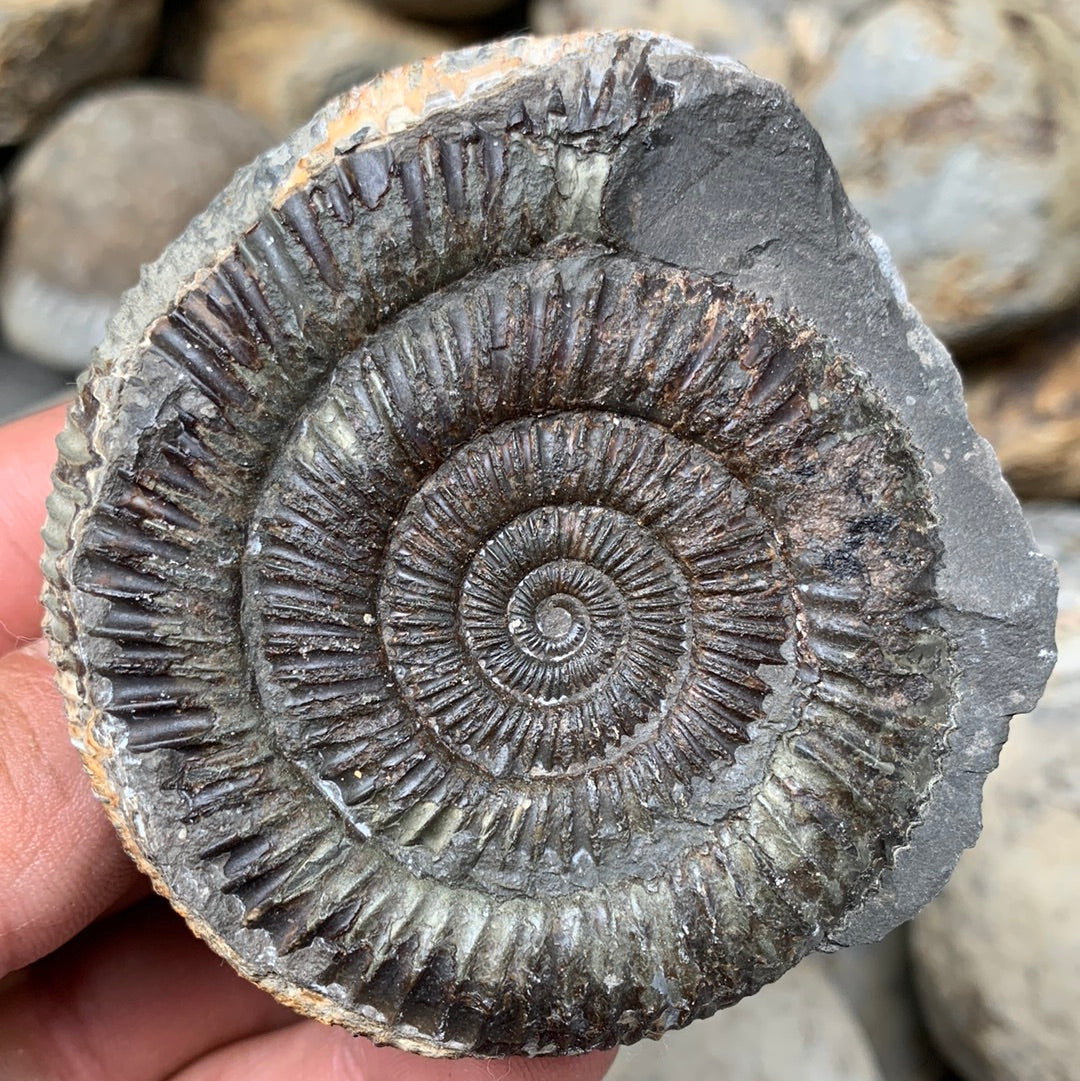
<point x="107" y="983"/>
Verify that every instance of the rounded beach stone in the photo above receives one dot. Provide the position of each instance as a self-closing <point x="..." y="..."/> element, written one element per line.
<point x="875" y="982"/>
<point x="98" y="194"/>
<point x="283" y="59"/>
<point x="1026" y="402"/>
<point x="998" y="953"/>
<point x="956" y="130"/>
<point x="50" y="48"/>
<point x="800" y="1027"/>
<point x="752" y="33"/>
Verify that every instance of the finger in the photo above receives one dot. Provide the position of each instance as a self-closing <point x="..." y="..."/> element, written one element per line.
<point x="309" y="1051"/>
<point x="27" y="455"/>
<point x="132" y="999"/>
<point x="61" y="864"/>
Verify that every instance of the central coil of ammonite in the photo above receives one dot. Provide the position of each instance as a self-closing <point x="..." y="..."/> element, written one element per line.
<point x="569" y="628"/>
<point x="520" y="630"/>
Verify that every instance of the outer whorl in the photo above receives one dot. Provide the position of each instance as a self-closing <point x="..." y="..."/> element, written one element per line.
<point x="521" y="573"/>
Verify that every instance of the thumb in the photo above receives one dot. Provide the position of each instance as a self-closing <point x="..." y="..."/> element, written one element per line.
<point x="309" y="1051"/>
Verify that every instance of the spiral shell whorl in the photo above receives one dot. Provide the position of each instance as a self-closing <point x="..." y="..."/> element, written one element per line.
<point x="588" y="604"/>
<point x="691" y="596"/>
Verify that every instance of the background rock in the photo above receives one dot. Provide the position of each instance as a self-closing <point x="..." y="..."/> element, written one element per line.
<point x="49" y="48"/>
<point x="281" y="60"/>
<point x="875" y="981"/>
<point x="754" y="33"/>
<point x="102" y="191"/>
<point x="798" y="1027"/>
<point x="1027" y="403"/>
<point x="451" y="11"/>
<point x="25" y="385"/>
<point x="998" y="953"/>
<point x="955" y="128"/>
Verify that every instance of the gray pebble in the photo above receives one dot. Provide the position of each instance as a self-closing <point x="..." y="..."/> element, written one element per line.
<point x="49" y="48"/>
<point x="101" y="192"/>
<point x="956" y="129"/>
<point x="875" y="981"/>
<point x="26" y="386"/>
<point x="798" y="1027"/>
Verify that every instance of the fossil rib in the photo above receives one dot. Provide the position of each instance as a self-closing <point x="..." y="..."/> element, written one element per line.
<point x="521" y="574"/>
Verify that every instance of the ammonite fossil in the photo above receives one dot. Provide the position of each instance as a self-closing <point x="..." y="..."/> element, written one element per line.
<point x="521" y="573"/>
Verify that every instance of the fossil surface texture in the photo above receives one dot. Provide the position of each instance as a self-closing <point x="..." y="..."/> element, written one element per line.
<point x="520" y="571"/>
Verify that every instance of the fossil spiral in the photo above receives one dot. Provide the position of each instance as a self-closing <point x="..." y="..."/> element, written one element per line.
<point x="511" y="563"/>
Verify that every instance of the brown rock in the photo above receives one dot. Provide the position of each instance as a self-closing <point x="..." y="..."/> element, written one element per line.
<point x="49" y="48"/>
<point x="1027" y="404"/>
<point x="102" y="191"/>
<point x="998" y="953"/>
<point x="451" y="11"/>
<point x="283" y="59"/>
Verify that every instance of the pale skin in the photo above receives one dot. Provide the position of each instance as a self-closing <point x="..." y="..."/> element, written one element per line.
<point x="99" y="980"/>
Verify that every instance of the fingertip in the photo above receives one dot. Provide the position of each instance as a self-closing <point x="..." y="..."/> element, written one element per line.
<point x="27" y="455"/>
<point x="309" y="1051"/>
<point x="362" y="1060"/>
<point x="61" y="863"/>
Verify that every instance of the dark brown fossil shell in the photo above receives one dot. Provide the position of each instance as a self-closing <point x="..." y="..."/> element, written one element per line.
<point x="493" y="616"/>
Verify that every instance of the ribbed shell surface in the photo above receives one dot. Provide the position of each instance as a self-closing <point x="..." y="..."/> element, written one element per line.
<point x="493" y="637"/>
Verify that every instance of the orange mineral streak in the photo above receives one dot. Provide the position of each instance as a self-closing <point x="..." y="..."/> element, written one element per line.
<point x="399" y="98"/>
